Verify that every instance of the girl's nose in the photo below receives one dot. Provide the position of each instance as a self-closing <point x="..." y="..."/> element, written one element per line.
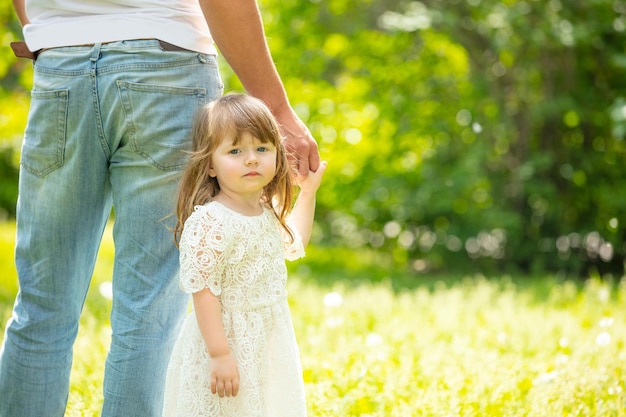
<point x="251" y="159"/>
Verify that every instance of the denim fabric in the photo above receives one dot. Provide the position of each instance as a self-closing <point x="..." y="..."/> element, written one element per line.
<point x="108" y="126"/>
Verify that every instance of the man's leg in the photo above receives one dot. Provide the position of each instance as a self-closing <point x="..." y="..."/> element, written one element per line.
<point x="157" y="94"/>
<point x="64" y="201"/>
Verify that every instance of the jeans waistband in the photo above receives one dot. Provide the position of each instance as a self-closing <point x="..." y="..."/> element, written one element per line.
<point x="20" y="49"/>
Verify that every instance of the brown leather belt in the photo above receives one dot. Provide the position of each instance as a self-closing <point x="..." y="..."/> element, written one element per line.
<point x="21" y="50"/>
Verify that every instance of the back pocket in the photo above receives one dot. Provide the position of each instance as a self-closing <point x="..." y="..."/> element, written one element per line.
<point x="159" y="121"/>
<point x="44" y="139"/>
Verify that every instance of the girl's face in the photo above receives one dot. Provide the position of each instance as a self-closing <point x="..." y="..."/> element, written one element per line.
<point x="244" y="168"/>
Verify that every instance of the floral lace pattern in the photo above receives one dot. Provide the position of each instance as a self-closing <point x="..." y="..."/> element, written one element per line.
<point x="241" y="259"/>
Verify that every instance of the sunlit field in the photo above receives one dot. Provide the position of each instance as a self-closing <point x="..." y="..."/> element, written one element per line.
<point x="477" y="346"/>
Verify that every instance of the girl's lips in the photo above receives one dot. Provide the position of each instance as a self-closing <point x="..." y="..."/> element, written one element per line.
<point x="252" y="174"/>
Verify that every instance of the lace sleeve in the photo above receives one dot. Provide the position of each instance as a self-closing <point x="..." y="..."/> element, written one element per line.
<point x="202" y="246"/>
<point x="293" y="250"/>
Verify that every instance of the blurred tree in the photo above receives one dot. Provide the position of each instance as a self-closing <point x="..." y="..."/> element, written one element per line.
<point x="460" y="133"/>
<point x="479" y="130"/>
<point x="15" y="76"/>
<point x="554" y="73"/>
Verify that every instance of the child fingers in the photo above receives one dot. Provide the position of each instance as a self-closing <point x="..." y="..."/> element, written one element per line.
<point x="235" y="386"/>
<point x="320" y="171"/>
<point x="225" y="387"/>
<point x="228" y="388"/>
<point x="216" y="385"/>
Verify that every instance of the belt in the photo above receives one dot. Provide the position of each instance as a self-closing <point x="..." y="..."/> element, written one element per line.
<point x="21" y="50"/>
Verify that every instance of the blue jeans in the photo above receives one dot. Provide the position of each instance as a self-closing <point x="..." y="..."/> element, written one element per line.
<point x="109" y="125"/>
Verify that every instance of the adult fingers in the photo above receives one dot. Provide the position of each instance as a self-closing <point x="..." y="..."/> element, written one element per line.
<point x="314" y="158"/>
<point x="303" y="153"/>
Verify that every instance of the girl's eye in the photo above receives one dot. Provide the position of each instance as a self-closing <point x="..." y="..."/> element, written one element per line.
<point x="262" y="149"/>
<point x="234" y="151"/>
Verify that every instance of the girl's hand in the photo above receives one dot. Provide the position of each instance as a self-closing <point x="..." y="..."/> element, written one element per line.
<point x="312" y="182"/>
<point x="224" y="375"/>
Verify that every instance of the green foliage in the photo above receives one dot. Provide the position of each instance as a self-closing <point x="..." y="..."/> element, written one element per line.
<point x="473" y="347"/>
<point x="8" y="182"/>
<point x="554" y="74"/>
<point x="462" y="135"/>
<point x="467" y="133"/>
<point x="15" y="76"/>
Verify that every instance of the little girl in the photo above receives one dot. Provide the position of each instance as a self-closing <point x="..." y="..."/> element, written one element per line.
<point x="236" y="354"/>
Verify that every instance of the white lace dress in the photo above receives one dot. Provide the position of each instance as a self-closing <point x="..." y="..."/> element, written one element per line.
<point x="241" y="259"/>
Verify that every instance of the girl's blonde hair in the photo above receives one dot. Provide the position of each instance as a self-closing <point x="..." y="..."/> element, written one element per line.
<point x="232" y="115"/>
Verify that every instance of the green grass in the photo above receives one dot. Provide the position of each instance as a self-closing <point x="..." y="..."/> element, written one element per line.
<point x="473" y="347"/>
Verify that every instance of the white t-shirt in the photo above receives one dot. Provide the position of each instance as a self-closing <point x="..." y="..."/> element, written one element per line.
<point x="77" y="22"/>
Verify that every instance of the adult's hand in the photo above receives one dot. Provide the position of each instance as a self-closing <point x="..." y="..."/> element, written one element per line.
<point x="237" y="29"/>
<point x="302" y="148"/>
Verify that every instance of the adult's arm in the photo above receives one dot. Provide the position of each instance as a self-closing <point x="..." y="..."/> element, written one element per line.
<point x="20" y="11"/>
<point x="237" y="29"/>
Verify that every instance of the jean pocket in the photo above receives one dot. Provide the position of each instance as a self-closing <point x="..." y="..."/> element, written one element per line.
<point x="44" y="139"/>
<point x="159" y="121"/>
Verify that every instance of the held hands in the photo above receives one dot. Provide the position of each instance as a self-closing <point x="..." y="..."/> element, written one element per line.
<point x="311" y="182"/>
<point x="224" y="375"/>
<point x="301" y="147"/>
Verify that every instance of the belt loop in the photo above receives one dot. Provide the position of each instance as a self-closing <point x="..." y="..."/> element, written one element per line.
<point x="95" y="53"/>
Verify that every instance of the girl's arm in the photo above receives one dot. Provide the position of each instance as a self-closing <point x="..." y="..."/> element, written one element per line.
<point x="224" y="372"/>
<point x="301" y="217"/>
